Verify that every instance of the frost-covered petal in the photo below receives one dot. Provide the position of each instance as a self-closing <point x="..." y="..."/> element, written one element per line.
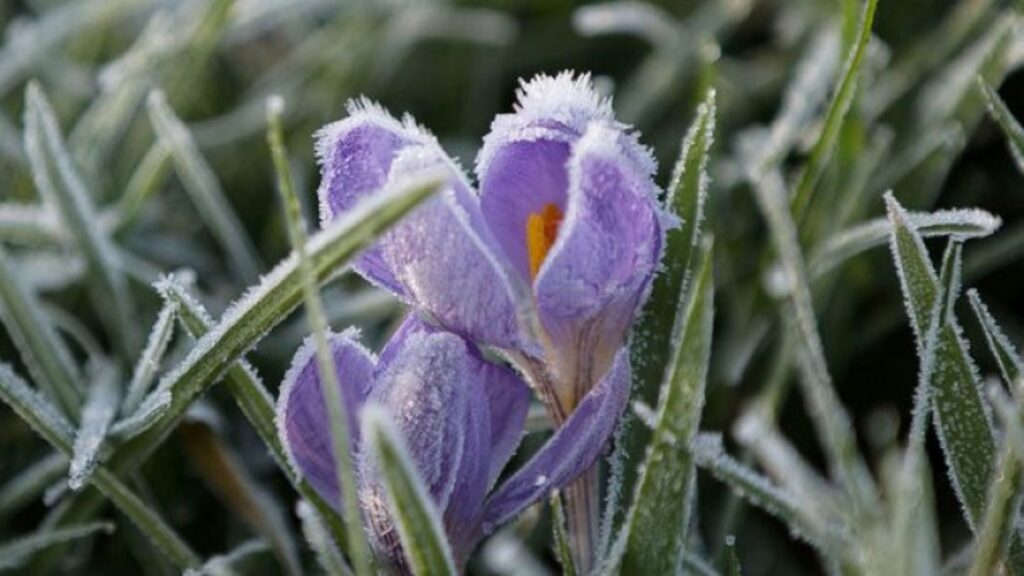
<point x="444" y="261"/>
<point x="508" y="398"/>
<point x="523" y="163"/>
<point x="424" y="390"/>
<point x="608" y="247"/>
<point x="570" y="452"/>
<point x="355" y="156"/>
<point x="302" y="420"/>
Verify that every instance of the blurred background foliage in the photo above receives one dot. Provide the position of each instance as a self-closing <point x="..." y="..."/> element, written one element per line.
<point x="917" y="126"/>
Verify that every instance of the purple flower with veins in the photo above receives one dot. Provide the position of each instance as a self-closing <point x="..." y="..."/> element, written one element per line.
<point x="551" y="259"/>
<point x="461" y="418"/>
<point x="547" y="264"/>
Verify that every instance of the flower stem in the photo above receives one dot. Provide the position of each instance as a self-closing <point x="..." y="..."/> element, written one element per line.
<point x="582" y="509"/>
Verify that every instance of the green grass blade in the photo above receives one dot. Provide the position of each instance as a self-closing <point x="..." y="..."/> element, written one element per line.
<point x="29" y="224"/>
<point x="709" y="455"/>
<point x="1011" y="128"/>
<point x="203" y="188"/>
<point x="31" y="482"/>
<point x="49" y="157"/>
<point x="341" y="443"/>
<point x="830" y="418"/>
<point x="964" y="224"/>
<point x="650" y="340"/>
<point x="560" y="534"/>
<point x="657" y="523"/>
<point x="15" y="553"/>
<point x="268" y="303"/>
<point x="255" y="403"/>
<point x="838" y="108"/>
<point x="42" y="417"/>
<point x="44" y="353"/>
<point x="418" y="521"/>
<point x="1008" y="359"/>
<point x="319" y="539"/>
<point x="150" y="359"/>
<point x="962" y="419"/>
<point x="99" y="411"/>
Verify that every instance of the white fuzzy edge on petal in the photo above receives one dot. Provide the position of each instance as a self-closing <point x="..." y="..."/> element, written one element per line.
<point x="361" y="112"/>
<point x="605" y="142"/>
<point x="305" y="354"/>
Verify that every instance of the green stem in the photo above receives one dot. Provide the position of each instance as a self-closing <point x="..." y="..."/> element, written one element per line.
<point x="993" y="534"/>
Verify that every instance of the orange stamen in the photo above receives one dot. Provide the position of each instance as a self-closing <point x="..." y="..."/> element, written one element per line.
<point x="541" y="231"/>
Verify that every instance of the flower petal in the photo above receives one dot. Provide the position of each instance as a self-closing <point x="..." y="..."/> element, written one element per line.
<point x="509" y="400"/>
<point x="355" y="155"/>
<point x="601" y="265"/>
<point x="444" y="260"/>
<point x="302" y="420"/>
<point x="523" y="163"/>
<point x="424" y="390"/>
<point x="571" y="451"/>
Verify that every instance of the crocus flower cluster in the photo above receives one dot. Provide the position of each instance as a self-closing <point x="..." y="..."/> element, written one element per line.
<point x="546" y="265"/>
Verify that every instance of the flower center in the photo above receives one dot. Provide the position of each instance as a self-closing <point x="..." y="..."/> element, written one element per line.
<point x="541" y="231"/>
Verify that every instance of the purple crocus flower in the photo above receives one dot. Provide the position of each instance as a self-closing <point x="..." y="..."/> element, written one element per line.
<point x="461" y="418"/>
<point x="548" y="263"/>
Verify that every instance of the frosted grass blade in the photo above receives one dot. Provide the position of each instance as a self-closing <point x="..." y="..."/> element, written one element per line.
<point x="266" y="305"/>
<point x="687" y="196"/>
<point x="204" y="189"/>
<point x="14" y="554"/>
<point x="962" y="419"/>
<point x="830" y="418"/>
<point x="29" y="224"/>
<point x="656" y="525"/>
<point x="843" y="97"/>
<point x="147" y="414"/>
<point x="31" y="482"/>
<point x="319" y="539"/>
<point x="560" y="534"/>
<point x="229" y="564"/>
<point x="255" y="403"/>
<point x="44" y="353"/>
<point x="99" y="411"/>
<point x="1002" y="115"/>
<point x="151" y="172"/>
<point x="650" y="342"/>
<point x="999" y="525"/>
<point x="42" y="417"/>
<point x="152" y="356"/>
<point x="760" y="492"/>
<point x="49" y="157"/>
<point x="341" y="444"/>
<point x="1007" y="358"/>
<point x="417" y="520"/>
<point x="963" y="224"/>
<point x="23" y="51"/>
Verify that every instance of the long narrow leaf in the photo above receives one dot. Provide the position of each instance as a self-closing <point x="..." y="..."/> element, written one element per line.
<point x="1010" y="364"/>
<point x="846" y="89"/>
<point x="49" y="156"/>
<point x="152" y="355"/>
<point x="341" y="444"/>
<point x="418" y="521"/>
<point x="651" y="338"/>
<point x="100" y="409"/>
<point x="962" y="419"/>
<point x="47" y="357"/>
<point x="256" y="404"/>
<point x="203" y="187"/>
<point x="48" y="423"/>
<point x="656" y="526"/>
<point x="15" y="553"/>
